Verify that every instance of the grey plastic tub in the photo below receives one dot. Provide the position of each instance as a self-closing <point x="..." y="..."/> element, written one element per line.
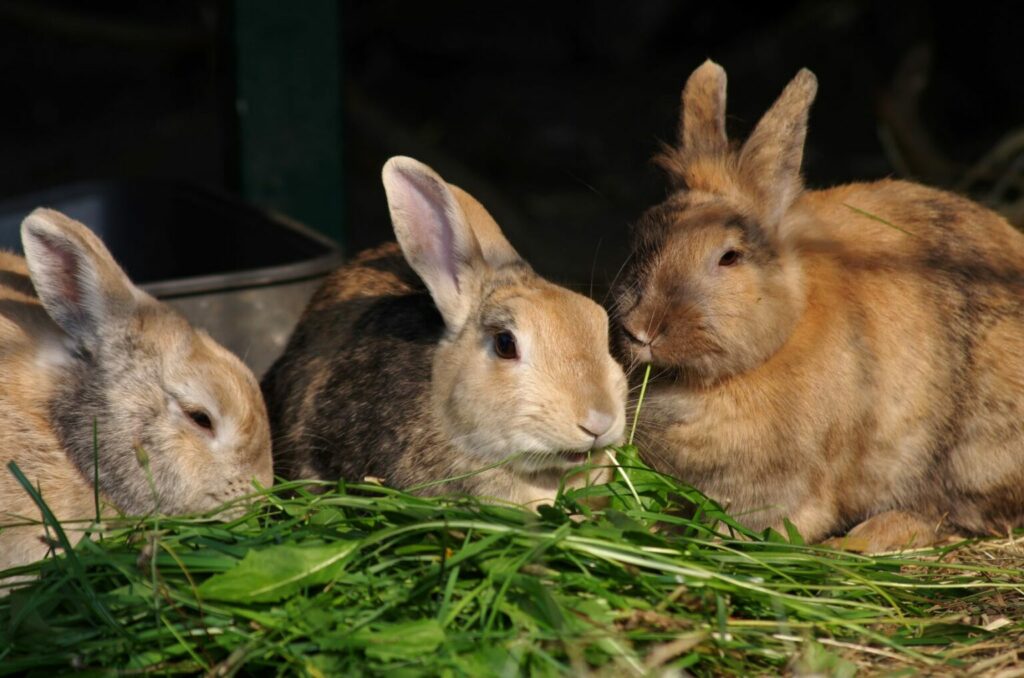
<point x="241" y="273"/>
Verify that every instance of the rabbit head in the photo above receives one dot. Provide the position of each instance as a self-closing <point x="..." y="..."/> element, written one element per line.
<point x="175" y="421"/>
<point x="524" y="365"/>
<point x="713" y="285"/>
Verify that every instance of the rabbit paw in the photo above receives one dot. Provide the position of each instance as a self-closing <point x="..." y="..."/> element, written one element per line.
<point x="890" y="531"/>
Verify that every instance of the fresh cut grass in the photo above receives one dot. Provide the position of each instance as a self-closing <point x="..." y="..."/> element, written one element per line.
<point x="322" y="579"/>
<point x="359" y="579"/>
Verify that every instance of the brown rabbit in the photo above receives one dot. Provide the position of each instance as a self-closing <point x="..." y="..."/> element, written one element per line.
<point x="844" y="357"/>
<point x="81" y="347"/>
<point x="456" y="357"/>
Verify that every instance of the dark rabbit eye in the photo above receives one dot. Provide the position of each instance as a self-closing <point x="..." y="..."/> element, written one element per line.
<point x="200" y="419"/>
<point x="505" y="345"/>
<point x="729" y="258"/>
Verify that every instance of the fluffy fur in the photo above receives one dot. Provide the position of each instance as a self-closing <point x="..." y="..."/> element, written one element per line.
<point x="841" y="357"/>
<point x="79" y="344"/>
<point x="392" y="372"/>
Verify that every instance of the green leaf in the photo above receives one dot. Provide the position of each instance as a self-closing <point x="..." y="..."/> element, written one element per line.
<point x="270" y="574"/>
<point x="409" y="640"/>
<point x="539" y="603"/>
<point x="623" y="521"/>
<point x="794" y="534"/>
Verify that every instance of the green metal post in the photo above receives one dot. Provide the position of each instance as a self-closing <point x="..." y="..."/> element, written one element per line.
<point x="288" y="105"/>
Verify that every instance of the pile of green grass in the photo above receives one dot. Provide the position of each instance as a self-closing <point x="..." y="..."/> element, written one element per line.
<point x="361" y="579"/>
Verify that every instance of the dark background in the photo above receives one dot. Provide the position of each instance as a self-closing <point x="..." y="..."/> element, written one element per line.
<point x="547" y="112"/>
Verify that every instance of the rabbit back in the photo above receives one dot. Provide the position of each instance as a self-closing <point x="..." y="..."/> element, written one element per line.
<point x="356" y="375"/>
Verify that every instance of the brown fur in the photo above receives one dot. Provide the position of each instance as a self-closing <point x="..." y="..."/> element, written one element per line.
<point x="119" y="358"/>
<point x="845" y="367"/>
<point x="391" y="371"/>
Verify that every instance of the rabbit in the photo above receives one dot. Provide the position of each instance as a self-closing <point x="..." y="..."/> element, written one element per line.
<point x="848" y="358"/>
<point x="81" y="346"/>
<point x="423" y="362"/>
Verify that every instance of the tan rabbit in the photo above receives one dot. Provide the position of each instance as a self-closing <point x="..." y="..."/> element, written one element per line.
<point x="845" y="357"/>
<point x="80" y="345"/>
<point x="453" y="358"/>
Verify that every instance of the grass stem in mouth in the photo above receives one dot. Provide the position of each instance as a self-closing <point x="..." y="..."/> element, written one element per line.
<point x="639" y="402"/>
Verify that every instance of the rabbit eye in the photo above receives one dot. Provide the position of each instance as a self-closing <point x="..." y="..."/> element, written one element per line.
<point x="505" y="345"/>
<point x="200" y="419"/>
<point x="730" y="258"/>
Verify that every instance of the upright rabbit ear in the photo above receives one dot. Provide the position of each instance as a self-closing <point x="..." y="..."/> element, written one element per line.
<point x="700" y="161"/>
<point x="494" y="246"/>
<point x="77" y="280"/>
<point x="702" y="119"/>
<point x="770" y="160"/>
<point x="435" y="236"/>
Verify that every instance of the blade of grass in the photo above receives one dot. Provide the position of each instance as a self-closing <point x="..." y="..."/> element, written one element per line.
<point x="639" y="403"/>
<point x="96" y="471"/>
<point x="70" y="556"/>
<point x="875" y="217"/>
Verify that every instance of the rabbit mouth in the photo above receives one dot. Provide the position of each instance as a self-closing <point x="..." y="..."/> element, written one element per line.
<point x="555" y="462"/>
<point x="565" y="459"/>
<point x="574" y="458"/>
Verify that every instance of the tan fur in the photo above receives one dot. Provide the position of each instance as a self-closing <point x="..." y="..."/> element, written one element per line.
<point x="846" y="367"/>
<point x="383" y="379"/>
<point x="127" y="362"/>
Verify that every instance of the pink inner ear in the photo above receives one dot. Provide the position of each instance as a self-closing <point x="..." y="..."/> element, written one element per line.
<point x="424" y="205"/>
<point x="66" y="266"/>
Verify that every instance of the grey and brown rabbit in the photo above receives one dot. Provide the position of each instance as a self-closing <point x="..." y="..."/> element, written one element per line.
<point x="849" y="357"/>
<point x="456" y="356"/>
<point x="93" y="370"/>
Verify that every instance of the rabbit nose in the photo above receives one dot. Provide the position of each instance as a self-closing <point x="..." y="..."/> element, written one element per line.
<point x="633" y="336"/>
<point x="641" y="343"/>
<point x="597" y="423"/>
<point x="637" y="336"/>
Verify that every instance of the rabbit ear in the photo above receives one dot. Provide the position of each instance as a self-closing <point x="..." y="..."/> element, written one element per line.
<point x="769" y="162"/>
<point x="77" y="280"/>
<point x="435" y="236"/>
<point x="496" y="249"/>
<point x="702" y="120"/>
<point x="701" y="160"/>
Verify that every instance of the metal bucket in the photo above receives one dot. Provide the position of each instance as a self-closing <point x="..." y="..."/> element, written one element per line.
<point x="242" y="274"/>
